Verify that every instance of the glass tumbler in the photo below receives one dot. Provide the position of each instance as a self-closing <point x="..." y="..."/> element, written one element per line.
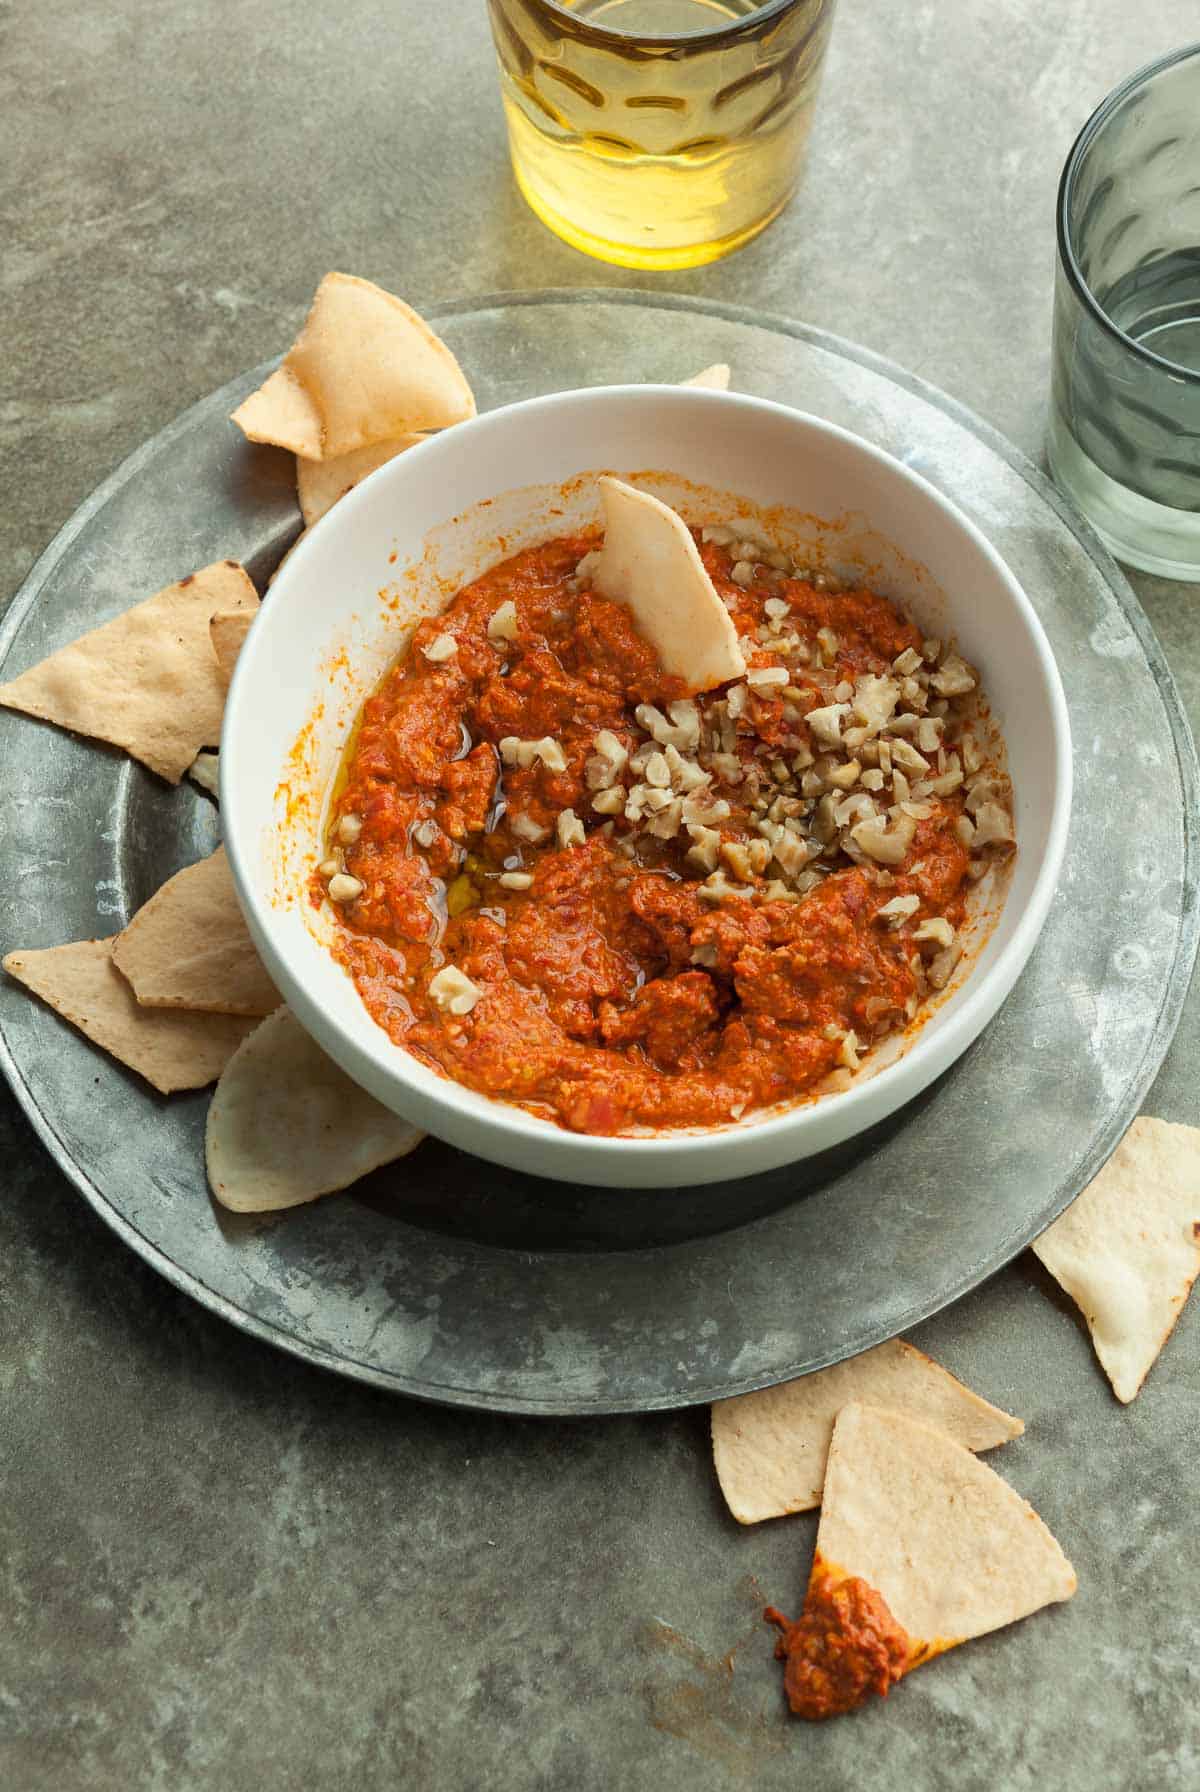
<point x="1124" y="430"/>
<point x="659" y="133"/>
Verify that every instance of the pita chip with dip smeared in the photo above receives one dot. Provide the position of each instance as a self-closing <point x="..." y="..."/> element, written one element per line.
<point x="364" y="369"/>
<point x="650" y="563"/>
<point x="171" y="1048"/>
<point x="188" y="947"/>
<point x="1127" y="1250"/>
<point x="147" y="681"/>
<point x="769" y="1447"/>
<point x="920" y="1547"/>
<point x="286" y="1125"/>
<point x="715" y="378"/>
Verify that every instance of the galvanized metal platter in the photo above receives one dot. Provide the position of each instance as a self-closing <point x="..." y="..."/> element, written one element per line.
<point x="454" y="1281"/>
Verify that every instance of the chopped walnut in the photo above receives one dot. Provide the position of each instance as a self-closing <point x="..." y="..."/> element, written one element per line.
<point x="826" y="723"/>
<point x="993" y="826"/>
<point x="442" y="647"/>
<point x="453" y="990"/>
<point x="953" y="678"/>
<point x="502" y="625"/>
<point x="569" y="830"/>
<point x="705" y="848"/>
<point x="885" y="845"/>
<point x="898" y="910"/>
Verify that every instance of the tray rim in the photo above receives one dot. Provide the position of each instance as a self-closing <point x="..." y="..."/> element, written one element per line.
<point x="1174" y="993"/>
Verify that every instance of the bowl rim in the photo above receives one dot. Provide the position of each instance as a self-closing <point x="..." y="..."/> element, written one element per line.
<point x="968" y="1009"/>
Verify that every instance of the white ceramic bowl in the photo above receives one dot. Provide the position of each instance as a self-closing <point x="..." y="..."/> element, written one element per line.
<point x="401" y="544"/>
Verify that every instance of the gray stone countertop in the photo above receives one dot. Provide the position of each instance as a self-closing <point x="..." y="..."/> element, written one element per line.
<point x="220" y="1568"/>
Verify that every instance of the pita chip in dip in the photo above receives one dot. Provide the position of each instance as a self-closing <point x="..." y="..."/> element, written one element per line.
<point x="650" y="563"/>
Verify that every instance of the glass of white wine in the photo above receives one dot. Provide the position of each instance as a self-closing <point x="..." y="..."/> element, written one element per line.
<point x="659" y="133"/>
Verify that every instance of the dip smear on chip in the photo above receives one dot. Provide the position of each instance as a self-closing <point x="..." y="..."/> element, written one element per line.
<point x="920" y="1547"/>
<point x="574" y="880"/>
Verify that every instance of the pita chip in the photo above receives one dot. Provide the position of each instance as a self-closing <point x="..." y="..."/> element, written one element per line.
<point x="188" y="947"/>
<point x="282" y="412"/>
<point x="227" y="630"/>
<point x="364" y="369"/>
<point x="650" y="563"/>
<point x="769" y="1448"/>
<point x="286" y="1125"/>
<point x="205" y="770"/>
<point x="716" y="377"/>
<point x="1127" y="1250"/>
<point x="171" y="1049"/>
<point x="320" y="483"/>
<point x="147" y="681"/>
<point x="920" y="1547"/>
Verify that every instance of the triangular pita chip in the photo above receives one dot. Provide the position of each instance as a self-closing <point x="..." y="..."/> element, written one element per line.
<point x="650" y="562"/>
<point x="286" y="1125"/>
<point x="282" y="412"/>
<point x="716" y="377"/>
<point x="148" y="680"/>
<point x="1128" y="1249"/>
<point x="921" y="1546"/>
<point x="205" y="770"/>
<point x="320" y="483"/>
<point x="227" y="631"/>
<point x="172" y="1050"/>
<point x="769" y="1447"/>
<point x="189" y="947"/>
<point x="365" y="368"/>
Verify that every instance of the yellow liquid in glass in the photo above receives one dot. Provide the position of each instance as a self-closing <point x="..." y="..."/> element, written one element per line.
<point x="658" y="154"/>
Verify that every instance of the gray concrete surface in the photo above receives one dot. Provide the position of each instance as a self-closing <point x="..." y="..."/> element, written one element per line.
<point x="221" y="1569"/>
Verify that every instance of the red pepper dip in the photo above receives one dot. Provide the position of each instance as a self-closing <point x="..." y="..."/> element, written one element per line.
<point x="845" y="1646"/>
<point x="566" y="882"/>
